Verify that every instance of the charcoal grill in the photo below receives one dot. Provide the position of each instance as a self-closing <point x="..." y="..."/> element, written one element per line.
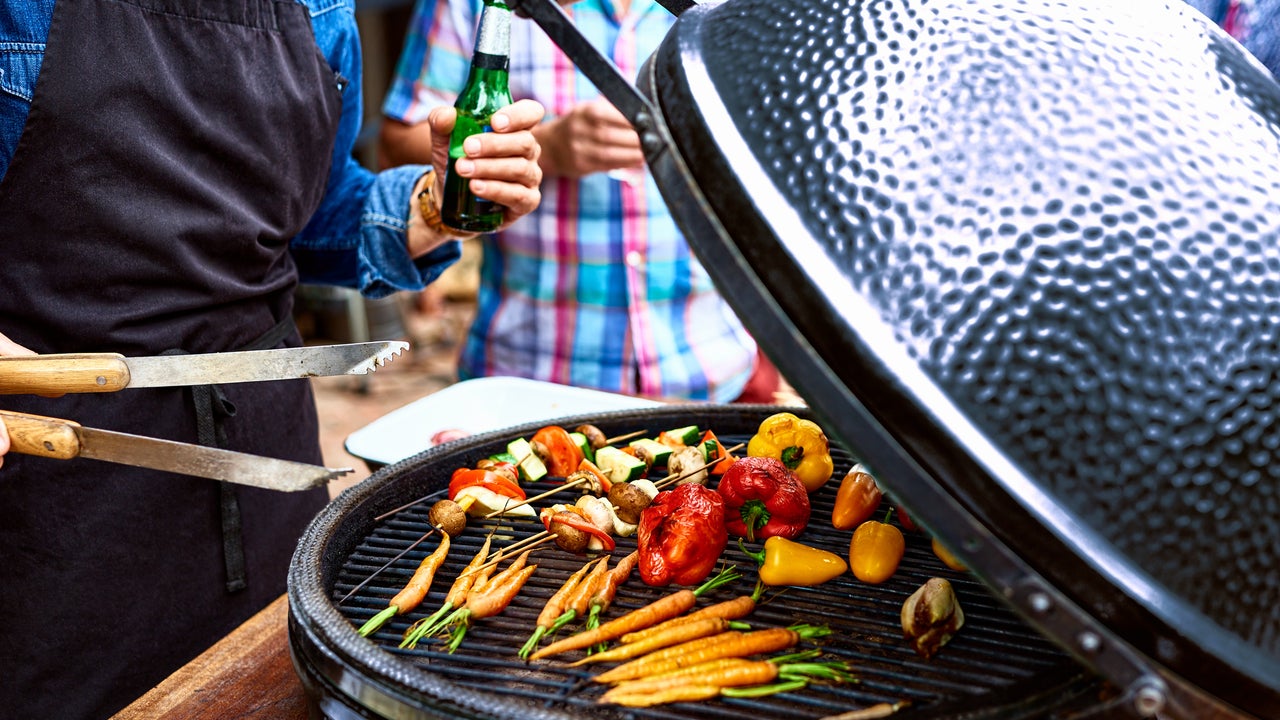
<point x="1021" y="257"/>
<point x="997" y="666"/>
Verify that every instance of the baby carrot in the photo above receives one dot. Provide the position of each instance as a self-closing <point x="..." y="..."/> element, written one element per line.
<point x="734" y="609"/>
<point x="655" y="612"/>
<point x="645" y="694"/>
<point x="726" y="644"/>
<point x="551" y="611"/>
<point x="414" y="592"/>
<point x="603" y="596"/>
<point x="456" y="596"/>
<point x="490" y="599"/>
<point x="676" y="634"/>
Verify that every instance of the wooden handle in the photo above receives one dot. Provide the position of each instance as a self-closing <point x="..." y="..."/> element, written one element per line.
<point x="63" y="373"/>
<point x="39" y="435"/>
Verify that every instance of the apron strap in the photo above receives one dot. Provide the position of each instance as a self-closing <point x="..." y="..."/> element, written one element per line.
<point x="212" y="408"/>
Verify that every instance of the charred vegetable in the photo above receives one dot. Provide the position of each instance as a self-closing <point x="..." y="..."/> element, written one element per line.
<point x="931" y="616"/>
<point x="681" y="536"/>
<point x="449" y="517"/>
<point x="763" y="499"/>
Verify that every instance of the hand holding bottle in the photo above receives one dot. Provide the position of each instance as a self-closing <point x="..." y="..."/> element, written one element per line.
<point x="501" y="166"/>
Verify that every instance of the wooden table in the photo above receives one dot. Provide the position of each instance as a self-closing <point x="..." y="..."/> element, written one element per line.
<point x="247" y="674"/>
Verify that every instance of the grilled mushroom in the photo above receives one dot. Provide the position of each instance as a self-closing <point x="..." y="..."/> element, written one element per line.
<point x="688" y="460"/>
<point x="449" y="517"/>
<point x="628" y="502"/>
<point x="594" y="436"/>
<point x="504" y="469"/>
<point x="569" y="539"/>
<point x="931" y="616"/>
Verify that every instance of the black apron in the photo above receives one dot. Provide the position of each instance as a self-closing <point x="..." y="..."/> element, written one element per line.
<point x="172" y="149"/>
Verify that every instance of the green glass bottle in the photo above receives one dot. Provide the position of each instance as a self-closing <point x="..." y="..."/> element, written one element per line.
<point x="486" y="91"/>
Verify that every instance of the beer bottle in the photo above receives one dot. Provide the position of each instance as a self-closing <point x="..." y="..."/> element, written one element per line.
<point x="485" y="92"/>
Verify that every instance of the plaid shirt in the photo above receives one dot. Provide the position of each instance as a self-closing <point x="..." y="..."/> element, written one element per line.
<point x="596" y="288"/>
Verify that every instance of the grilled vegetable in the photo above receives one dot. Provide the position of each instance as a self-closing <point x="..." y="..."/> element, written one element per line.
<point x="557" y="450"/>
<point x="595" y="437"/>
<point x="449" y="517"/>
<point x="673" y="635"/>
<point x="692" y="682"/>
<point x="629" y="501"/>
<point x="714" y="452"/>
<point x="531" y="467"/>
<point x="655" y="612"/>
<point x="799" y="444"/>
<point x="489" y="599"/>
<point x="681" y="536"/>
<point x="875" y="550"/>
<point x="786" y="562"/>
<point x="552" y="610"/>
<point x="414" y="591"/>
<point x="456" y="596"/>
<point x="620" y="466"/>
<point x="734" y="609"/>
<point x="578" y="604"/>
<point x="763" y="499"/>
<point x="603" y="596"/>
<point x="594" y="478"/>
<point x="725" y="645"/>
<point x="931" y="615"/>
<point x="856" y="500"/>
<point x="574" y="532"/>
<point x="946" y="556"/>
<point x="688" y="463"/>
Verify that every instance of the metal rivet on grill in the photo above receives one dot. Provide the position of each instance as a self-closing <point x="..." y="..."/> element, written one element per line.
<point x="1090" y="642"/>
<point x="1040" y="603"/>
<point x="1149" y="699"/>
<point x="101" y="380"/>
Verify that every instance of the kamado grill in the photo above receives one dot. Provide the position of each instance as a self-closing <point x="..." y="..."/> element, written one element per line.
<point x="1021" y="259"/>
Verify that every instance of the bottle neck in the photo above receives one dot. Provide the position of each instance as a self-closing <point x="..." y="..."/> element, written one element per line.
<point x="493" y="41"/>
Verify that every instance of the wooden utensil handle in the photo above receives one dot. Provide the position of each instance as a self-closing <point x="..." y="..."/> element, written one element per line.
<point x="63" y="373"/>
<point x="39" y="435"/>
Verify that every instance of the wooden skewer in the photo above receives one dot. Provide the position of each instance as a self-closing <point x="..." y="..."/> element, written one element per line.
<point x="627" y="436"/>
<point x="542" y="539"/>
<point x="541" y="496"/>
<point x="404" y="552"/>
<point x="668" y="480"/>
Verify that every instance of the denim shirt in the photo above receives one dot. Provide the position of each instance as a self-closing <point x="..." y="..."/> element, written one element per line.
<point x="356" y="237"/>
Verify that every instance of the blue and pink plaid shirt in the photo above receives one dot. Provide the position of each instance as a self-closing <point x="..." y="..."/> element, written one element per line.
<point x="597" y="288"/>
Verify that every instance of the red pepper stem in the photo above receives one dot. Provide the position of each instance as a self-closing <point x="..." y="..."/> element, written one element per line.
<point x="724" y="577"/>
<point x="754" y="516"/>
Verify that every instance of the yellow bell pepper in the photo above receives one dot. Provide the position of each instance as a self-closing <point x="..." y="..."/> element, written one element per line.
<point x="799" y="444"/>
<point x="786" y="562"/>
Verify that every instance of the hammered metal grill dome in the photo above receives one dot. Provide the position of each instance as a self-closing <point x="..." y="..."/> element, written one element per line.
<point x="1040" y="243"/>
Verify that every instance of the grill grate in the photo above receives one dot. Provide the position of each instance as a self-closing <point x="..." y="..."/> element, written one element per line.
<point x="997" y="662"/>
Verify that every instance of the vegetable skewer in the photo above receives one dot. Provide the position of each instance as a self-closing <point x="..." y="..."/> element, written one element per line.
<point x="664" y="608"/>
<point x="414" y="591"/>
<point x="552" y="610"/>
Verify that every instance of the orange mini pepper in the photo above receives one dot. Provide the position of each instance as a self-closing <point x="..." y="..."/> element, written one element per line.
<point x="875" y="550"/>
<point x="947" y="557"/>
<point x="857" y="498"/>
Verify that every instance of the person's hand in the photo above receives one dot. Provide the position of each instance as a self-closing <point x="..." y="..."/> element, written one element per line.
<point x="592" y="137"/>
<point x="8" y="347"/>
<point x="502" y="165"/>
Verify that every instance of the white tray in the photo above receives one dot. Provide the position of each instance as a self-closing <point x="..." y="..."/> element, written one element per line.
<point x="476" y="406"/>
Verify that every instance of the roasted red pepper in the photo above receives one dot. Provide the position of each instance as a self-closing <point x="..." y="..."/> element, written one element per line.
<point x="681" y="536"/>
<point x="560" y="453"/>
<point x="488" y="479"/>
<point x="763" y="499"/>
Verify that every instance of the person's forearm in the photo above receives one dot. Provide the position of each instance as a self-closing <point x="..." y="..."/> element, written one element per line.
<point x="403" y="144"/>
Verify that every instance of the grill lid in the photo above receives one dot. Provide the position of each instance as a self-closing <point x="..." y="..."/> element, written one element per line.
<point x="1022" y="258"/>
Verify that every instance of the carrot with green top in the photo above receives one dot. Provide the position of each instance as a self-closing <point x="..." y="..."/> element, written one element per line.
<point x="674" y="635"/>
<point x="714" y="647"/>
<point x="551" y="611"/>
<point x="413" y="593"/>
<point x="488" y="599"/>
<point x="456" y="596"/>
<point x="711" y="679"/>
<point x="731" y="610"/>
<point x="655" y="612"/>
<point x="603" y="596"/>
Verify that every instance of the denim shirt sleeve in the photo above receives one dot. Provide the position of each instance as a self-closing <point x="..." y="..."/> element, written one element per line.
<point x="357" y="236"/>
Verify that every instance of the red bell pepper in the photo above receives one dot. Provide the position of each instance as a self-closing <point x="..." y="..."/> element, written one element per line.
<point x="577" y="522"/>
<point x="562" y="453"/>
<point x="681" y="536"/>
<point x="488" y="479"/>
<point x="763" y="499"/>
